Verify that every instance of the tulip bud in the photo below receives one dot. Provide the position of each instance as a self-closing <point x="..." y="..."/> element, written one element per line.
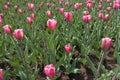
<point x="1" y="15"/>
<point x="7" y="29"/>
<point x="16" y="7"/>
<point x="18" y="34"/>
<point x="108" y="9"/>
<point x="106" y="43"/>
<point x="76" y="6"/>
<point x="87" y="18"/>
<point x="101" y="15"/>
<point x="89" y="5"/>
<point x="32" y="15"/>
<point x="1" y="74"/>
<point x="60" y="2"/>
<point x="1" y="20"/>
<point x="20" y="11"/>
<point x="5" y="7"/>
<point x="67" y="48"/>
<point x="49" y="13"/>
<point x="68" y="16"/>
<point x="49" y="70"/>
<point x="107" y="17"/>
<point x="85" y="13"/>
<point x="80" y="4"/>
<point x="8" y="3"/>
<point x="61" y="10"/>
<point x="51" y="24"/>
<point x="30" y="6"/>
<point x="67" y="3"/>
<point x="29" y="20"/>
<point x="116" y="5"/>
<point x="100" y="6"/>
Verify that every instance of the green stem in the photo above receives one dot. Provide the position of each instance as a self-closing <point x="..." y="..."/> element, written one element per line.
<point x="101" y="60"/>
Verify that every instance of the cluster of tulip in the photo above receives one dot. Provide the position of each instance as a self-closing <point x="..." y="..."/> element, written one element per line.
<point x="51" y="23"/>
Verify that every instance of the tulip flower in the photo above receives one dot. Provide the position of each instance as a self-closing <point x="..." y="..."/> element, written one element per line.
<point x="106" y="43"/>
<point x="60" y="2"/>
<point x="67" y="48"/>
<point x="101" y="15"/>
<point x="29" y="20"/>
<point x="51" y="24"/>
<point x="20" y="11"/>
<point x="49" y="13"/>
<point x="85" y="13"/>
<point x="7" y="29"/>
<point x="67" y="3"/>
<point x="18" y="34"/>
<point x="89" y="5"/>
<point x="5" y="7"/>
<point x="87" y="18"/>
<point x="1" y="15"/>
<point x="49" y="70"/>
<point x="1" y="20"/>
<point x="30" y="6"/>
<point x="8" y="3"/>
<point x="16" y="7"/>
<point x="1" y="74"/>
<point x="32" y="15"/>
<point x="100" y="6"/>
<point x="76" y="6"/>
<point x="61" y="10"/>
<point x="116" y="5"/>
<point x="68" y="16"/>
<point x="107" y="17"/>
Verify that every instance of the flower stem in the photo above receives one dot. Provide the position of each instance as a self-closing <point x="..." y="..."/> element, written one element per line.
<point x="101" y="60"/>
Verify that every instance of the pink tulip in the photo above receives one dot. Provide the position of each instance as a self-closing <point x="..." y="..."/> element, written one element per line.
<point x="51" y="24"/>
<point x="87" y="18"/>
<point x="101" y="15"/>
<point x="32" y="16"/>
<point x="8" y="3"/>
<point x="20" y="11"/>
<point x="49" y="13"/>
<point x="68" y="16"/>
<point x="68" y="48"/>
<point x="76" y="6"/>
<point x="7" y="29"/>
<point x="80" y="4"/>
<point x="29" y="20"/>
<point x="89" y="5"/>
<point x="100" y="1"/>
<point x="18" y="34"/>
<point x="1" y="15"/>
<point x="1" y="74"/>
<point x="106" y="43"/>
<point x="100" y="6"/>
<point x="116" y="5"/>
<point x="108" y="9"/>
<point x="108" y="1"/>
<point x="16" y="7"/>
<point x="60" y="2"/>
<point x="30" y="6"/>
<point x="49" y="70"/>
<point x="107" y="17"/>
<point x="5" y="7"/>
<point x="85" y="13"/>
<point x="1" y="20"/>
<point x="61" y="10"/>
<point x="67" y="3"/>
